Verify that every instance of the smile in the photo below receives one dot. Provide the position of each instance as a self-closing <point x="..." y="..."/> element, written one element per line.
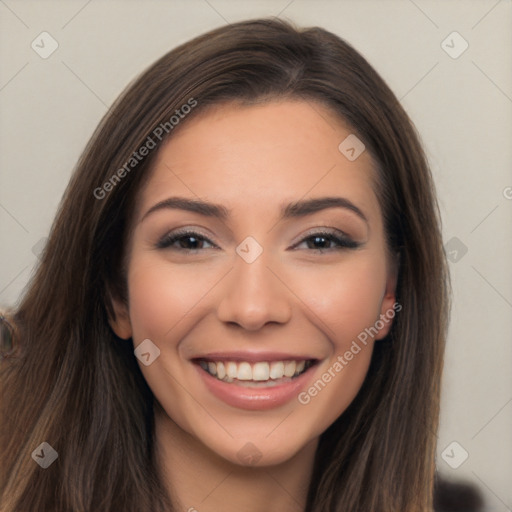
<point x="259" y="374"/>
<point x="255" y="380"/>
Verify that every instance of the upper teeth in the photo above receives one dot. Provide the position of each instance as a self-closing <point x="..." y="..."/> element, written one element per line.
<point x="260" y="371"/>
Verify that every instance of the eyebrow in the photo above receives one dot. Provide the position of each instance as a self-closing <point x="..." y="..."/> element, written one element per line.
<point x="190" y="205"/>
<point x="296" y="209"/>
<point x="309" y="206"/>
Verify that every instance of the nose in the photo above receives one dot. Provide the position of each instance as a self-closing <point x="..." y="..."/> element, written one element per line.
<point x="253" y="296"/>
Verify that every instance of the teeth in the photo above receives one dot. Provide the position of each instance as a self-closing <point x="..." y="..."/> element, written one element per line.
<point x="257" y="372"/>
<point x="260" y="371"/>
<point x="231" y="370"/>
<point x="221" y="371"/>
<point x="244" y="371"/>
<point x="289" y="368"/>
<point x="276" y="370"/>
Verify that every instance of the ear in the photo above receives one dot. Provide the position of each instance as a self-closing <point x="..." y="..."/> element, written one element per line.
<point x="389" y="306"/>
<point x="119" y="318"/>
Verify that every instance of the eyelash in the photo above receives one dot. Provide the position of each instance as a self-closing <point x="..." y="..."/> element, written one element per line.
<point x="343" y="241"/>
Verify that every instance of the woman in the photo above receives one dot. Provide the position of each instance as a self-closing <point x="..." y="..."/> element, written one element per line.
<point x="243" y="300"/>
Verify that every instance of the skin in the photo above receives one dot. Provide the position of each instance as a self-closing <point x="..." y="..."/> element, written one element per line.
<point x="293" y="298"/>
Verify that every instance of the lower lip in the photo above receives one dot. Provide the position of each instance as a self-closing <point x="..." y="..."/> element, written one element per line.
<point x="255" y="399"/>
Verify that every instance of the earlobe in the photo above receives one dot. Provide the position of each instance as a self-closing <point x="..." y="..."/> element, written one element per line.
<point x="389" y="306"/>
<point x="388" y="312"/>
<point x="119" y="319"/>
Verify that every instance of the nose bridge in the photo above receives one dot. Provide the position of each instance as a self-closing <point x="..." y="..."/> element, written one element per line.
<point x="252" y="295"/>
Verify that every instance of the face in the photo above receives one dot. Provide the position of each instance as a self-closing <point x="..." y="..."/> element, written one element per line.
<point x="258" y="271"/>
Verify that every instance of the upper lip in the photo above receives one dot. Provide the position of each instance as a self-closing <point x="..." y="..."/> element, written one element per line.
<point x="252" y="357"/>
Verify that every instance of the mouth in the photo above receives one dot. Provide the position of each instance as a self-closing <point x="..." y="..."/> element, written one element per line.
<point x="260" y="374"/>
<point x="255" y="381"/>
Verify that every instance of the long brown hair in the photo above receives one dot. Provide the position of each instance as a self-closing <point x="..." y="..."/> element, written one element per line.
<point x="72" y="383"/>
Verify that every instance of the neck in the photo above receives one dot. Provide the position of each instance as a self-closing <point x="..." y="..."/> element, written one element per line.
<point x="199" y="480"/>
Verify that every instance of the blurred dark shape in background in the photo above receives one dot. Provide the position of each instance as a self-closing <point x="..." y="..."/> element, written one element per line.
<point x="456" y="496"/>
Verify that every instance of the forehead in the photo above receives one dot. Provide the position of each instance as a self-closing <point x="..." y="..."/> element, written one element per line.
<point x="249" y="157"/>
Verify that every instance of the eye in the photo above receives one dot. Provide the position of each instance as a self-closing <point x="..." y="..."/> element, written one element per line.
<point x="328" y="241"/>
<point x="185" y="241"/>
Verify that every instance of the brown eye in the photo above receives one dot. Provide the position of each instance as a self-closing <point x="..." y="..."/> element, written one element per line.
<point x="188" y="241"/>
<point x="319" y="242"/>
<point x="328" y="242"/>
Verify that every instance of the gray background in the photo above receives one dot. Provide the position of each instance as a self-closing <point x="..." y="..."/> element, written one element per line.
<point x="461" y="107"/>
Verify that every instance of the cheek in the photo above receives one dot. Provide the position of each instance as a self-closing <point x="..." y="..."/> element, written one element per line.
<point x="164" y="303"/>
<point x="161" y="297"/>
<point x="344" y="300"/>
<point x="346" y="308"/>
